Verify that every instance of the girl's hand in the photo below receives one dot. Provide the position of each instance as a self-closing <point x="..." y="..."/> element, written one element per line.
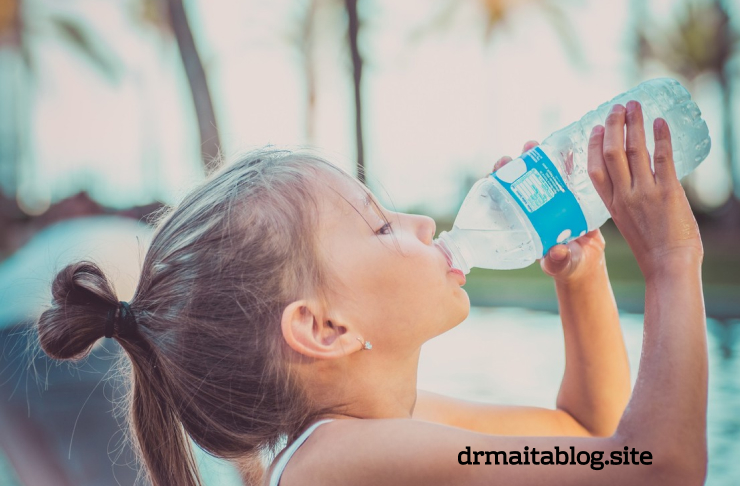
<point x="649" y="208"/>
<point x="578" y="258"/>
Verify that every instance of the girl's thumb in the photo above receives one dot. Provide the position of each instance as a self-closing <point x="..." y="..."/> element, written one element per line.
<point x="557" y="260"/>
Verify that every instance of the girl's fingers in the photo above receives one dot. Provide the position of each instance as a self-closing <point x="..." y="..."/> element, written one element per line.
<point x="596" y="236"/>
<point x="529" y="145"/>
<point x="665" y="169"/>
<point x="557" y="261"/>
<point x="615" y="158"/>
<point x="637" y="154"/>
<point x="501" y="162"/>
<point x="505" y="160"/>
<point x="597" y="167"/>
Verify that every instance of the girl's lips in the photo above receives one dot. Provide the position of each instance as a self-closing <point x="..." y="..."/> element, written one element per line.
<point x="448" y="258"/>
<point x="459" y="272"/>
<point x="441" y="249"/>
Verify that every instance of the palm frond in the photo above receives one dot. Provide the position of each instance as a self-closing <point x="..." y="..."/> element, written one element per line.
<point x="90" y="47"/>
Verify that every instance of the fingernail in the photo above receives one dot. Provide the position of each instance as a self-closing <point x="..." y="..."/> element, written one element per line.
<point x="631" y="106"/>
<point x="617" y="109"/>
<point x="597" y="130"/>
<point x="658" y="124"/>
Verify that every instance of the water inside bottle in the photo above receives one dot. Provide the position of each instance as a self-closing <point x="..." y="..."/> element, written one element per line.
<point x="488" y="231"/>
<point x="492" y="231"/>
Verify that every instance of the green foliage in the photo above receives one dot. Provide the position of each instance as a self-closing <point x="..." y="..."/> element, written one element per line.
<point x="700" y="40"/>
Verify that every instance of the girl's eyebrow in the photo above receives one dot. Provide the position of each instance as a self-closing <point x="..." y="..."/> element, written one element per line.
<point x="369" y="201"/>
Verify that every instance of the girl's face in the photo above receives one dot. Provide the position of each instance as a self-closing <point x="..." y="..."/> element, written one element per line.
<point x="389" y="281"/>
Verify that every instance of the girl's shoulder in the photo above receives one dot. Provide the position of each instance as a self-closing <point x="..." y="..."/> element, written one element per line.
<point x="401" y="452"/>
<point x="378" y="451"/>
<point x="279" y="463"/>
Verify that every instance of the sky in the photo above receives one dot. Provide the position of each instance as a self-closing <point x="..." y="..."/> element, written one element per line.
<point x="442" y="103"/>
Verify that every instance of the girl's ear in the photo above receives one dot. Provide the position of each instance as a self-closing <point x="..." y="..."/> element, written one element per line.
<point x="311" y="333"/>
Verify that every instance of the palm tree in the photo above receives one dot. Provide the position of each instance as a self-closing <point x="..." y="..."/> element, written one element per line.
<point x="702" y="41"/>
<point x="22" y="24"/>
<point x="170" y="17"/>
<point x="497" y="12"/>
<point x="353" y="33"/>
<point x="303" y="37"/>
<point x="209" y="139"/>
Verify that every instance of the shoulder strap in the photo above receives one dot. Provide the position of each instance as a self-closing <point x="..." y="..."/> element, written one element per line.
<point x="290" y="450"/>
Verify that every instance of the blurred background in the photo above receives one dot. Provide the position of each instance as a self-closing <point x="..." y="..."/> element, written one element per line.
<point x="110" y="109"/>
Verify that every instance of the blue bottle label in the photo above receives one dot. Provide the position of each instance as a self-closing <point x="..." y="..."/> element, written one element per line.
<point x="536" y="185"/>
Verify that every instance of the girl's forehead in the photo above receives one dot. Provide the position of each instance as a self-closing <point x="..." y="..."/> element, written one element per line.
<point x="347" y="190"/>
<point x="343" y="198"/>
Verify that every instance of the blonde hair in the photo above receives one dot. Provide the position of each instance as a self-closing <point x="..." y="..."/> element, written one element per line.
<point x="208" y="359"/>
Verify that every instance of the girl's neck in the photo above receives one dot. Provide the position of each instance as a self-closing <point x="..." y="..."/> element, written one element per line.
<point x="371" y="386"/>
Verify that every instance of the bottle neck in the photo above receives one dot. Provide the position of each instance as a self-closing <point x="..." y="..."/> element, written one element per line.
<point x="452" y="250"/>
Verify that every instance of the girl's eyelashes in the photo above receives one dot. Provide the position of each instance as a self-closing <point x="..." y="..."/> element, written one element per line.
<point x="386" y="229"/>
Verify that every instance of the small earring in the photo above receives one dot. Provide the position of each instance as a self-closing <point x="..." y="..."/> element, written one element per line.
<point x="365" y="344"/>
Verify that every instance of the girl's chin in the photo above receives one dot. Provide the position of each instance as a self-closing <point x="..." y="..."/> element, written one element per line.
<point x="465" y="298"/>
<point x="462" y="308"/>
<point x="466" y="312"/>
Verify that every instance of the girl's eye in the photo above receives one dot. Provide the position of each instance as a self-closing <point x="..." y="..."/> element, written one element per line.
<point x="385" y="229"/>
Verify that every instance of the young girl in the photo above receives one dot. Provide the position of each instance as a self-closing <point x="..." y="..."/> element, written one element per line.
<point x="279" y="301"/>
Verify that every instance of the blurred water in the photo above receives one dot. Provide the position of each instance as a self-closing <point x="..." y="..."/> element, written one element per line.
<point x="515" y="356"/>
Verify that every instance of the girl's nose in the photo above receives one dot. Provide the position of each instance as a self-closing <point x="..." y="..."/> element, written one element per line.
<point x="426" y="228"/>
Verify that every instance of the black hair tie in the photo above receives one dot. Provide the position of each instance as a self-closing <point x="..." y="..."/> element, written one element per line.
<point x="126" y="321"/>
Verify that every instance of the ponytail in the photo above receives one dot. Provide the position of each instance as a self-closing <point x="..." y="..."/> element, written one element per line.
<point x="83" y="301"/>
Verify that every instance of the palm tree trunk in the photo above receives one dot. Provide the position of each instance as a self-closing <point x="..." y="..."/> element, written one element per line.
<point x="208" y="129"/>
<point x="353" y="31"/>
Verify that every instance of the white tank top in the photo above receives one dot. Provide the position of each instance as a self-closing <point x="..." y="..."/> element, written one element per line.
<point x="290" y="450"/>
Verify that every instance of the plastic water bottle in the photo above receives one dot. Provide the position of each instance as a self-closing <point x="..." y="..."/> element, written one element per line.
<point x="546" y="197"/>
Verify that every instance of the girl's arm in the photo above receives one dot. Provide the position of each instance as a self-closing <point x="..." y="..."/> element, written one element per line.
<point x="661" y="438"/>
<point x="596" y="383"/>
